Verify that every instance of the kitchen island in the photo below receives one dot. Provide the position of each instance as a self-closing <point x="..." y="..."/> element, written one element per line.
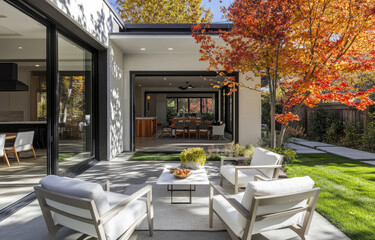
<point x="145" y="126"/>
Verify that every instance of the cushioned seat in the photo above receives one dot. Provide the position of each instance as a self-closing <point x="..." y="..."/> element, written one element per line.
<point x="119" y="212"/>
<point x="285" y="195"/>
<point x="264" y="163"/>
<point x="244" y="175"/>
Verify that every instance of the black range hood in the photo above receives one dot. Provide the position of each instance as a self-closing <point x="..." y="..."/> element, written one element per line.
<point x="9" y="78"/>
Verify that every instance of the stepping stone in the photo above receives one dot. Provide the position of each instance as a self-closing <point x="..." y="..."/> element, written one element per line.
<point x="302" y="149"/>
<point x="312" y="144"/>
<point x="349" y="153"/>
<point x="369" y="162"/>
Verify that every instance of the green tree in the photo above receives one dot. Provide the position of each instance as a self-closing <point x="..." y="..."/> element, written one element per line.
<point x="163" y="11"/>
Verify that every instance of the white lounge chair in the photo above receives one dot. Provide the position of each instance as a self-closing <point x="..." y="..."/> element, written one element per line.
<point x="265" y="206"/>
<point x="23" y="143"/>
<point x="85" y="207"/>
<point x="264" y="163"/>
<point x="2" y="151"/>
<point x="218" y="130"/>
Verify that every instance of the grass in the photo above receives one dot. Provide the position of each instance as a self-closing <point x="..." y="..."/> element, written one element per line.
<point x="64" y="156"/>
<point x="139" y="156"/>
<point x="347" y="198"/>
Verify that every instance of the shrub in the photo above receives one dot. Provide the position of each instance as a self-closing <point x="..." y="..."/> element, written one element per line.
<point x="197" y="155"/>
<point x="334" y="132"/>
<point x="351" y="138"/>
<point x="368" y="136"/>
<point x="289" y="154"/>
<point x="238" y="150"/>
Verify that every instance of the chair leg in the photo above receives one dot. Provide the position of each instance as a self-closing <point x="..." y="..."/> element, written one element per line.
<point x="16" y="155"/>
<point x="34" y="152"/>
<point x="6" y="159"/>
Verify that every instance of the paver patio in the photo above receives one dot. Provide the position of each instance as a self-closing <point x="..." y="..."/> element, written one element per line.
<point x="29" y="224"/>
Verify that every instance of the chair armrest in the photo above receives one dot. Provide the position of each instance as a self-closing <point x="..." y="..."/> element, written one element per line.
<point x="106" y="185"/>
<point x="232" y="200"/>
<point x="259" y="167"/>
<point x="233" y="159"/>
<point x="261" y="178"/>
<point x="116" y="209"/>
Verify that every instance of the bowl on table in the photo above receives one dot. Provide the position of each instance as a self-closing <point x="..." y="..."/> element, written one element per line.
<point x="182" y="173"/>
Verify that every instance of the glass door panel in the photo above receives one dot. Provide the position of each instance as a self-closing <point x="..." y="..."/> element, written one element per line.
<point x="75" y="103"/>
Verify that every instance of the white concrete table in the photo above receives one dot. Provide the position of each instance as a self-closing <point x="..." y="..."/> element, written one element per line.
<point x="198" y="177"/>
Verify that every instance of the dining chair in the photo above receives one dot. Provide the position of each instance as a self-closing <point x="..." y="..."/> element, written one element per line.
<point x="23" y="143"/>
<point x="192" y="129"/>
<point x="179" y="129"/>
<point x="218" y="130"/>
<point x="2" y="151"/>
<point x="204" y="129"/>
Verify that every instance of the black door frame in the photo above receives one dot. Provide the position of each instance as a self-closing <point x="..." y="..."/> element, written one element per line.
<point x="134" y="74"/>
<point x="52" y="30"/>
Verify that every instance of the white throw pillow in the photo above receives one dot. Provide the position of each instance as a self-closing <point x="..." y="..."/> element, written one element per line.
<point x="263" y="157"/>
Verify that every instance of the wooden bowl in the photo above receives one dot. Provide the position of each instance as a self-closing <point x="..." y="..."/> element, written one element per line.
<point x="183" y="176"/>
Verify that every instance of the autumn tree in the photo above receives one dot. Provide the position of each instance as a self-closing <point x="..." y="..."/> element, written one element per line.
<point x="303" y="48"/>
<point x="163" y="11"/>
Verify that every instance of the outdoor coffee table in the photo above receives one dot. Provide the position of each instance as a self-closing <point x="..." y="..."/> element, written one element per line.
<point x="198" y="177"/>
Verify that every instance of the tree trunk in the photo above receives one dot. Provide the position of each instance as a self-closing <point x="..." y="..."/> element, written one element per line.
<point x="273" y="123"/>
<point x="280" y="138"/>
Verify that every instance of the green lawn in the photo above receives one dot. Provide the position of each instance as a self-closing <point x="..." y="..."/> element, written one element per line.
<point x="139" y="156"/>
<point x="347" y="198"/>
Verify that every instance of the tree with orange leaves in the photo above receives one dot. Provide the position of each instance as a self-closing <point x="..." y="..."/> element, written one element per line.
<point x="304" y="48"/>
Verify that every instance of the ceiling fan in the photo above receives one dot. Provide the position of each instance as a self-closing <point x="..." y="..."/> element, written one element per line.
<point x="186" y="86"/>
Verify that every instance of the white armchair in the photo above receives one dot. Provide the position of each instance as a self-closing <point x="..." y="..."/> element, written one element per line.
<point x="2" y="150"/>
<point x="23" y="143"/>
<point x="264" y="163"/>
<point x="218" y="130"/>
<point x="85" y="207"/>
<point x="265" y="206"/>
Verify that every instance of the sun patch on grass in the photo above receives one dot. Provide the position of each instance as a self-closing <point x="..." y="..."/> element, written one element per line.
<point x="347" y="198"/>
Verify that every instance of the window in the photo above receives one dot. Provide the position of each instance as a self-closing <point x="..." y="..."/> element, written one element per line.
<point x="183" y="105"/>
<point x="194" y="105"/>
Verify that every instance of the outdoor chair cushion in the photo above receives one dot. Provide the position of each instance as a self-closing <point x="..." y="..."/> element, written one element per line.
<point x="263" y="188"/>
<point x="265" y="157"/>
<point x="124" y="219"/>
<point x="244" y="175"/>
<point x="104" y="201"/>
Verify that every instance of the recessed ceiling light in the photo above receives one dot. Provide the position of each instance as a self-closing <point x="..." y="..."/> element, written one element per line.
<point x="170" y="49"/>
<point x="19" y="47"/>
<point x="37" y="65"/>
<point x="143" y="49"/>
<point x="139" y="85"/>
<point x="165" y="78"/>
<point x="170" y="84"/>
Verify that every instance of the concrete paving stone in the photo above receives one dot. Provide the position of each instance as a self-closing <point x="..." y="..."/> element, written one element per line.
<point x="301" y="149"/>
<point x="369" y="162"/>
<point x="313" y="144"/>
<point x="349" y="153"/>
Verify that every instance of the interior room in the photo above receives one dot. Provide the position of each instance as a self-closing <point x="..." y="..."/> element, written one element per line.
<point x="23" y="103"/>
<point x="174" y="112"/>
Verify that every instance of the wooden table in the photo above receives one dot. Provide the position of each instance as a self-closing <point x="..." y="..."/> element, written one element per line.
<point x="174" y="120"/>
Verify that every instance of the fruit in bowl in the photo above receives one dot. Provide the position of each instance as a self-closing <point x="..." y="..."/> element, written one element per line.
<point x="182" y="173"/>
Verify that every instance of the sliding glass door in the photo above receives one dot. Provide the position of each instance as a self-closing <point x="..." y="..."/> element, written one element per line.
<point x="75" y="126"/>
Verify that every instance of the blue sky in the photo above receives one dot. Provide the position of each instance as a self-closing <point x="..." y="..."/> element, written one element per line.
<point x="214" y="5"/>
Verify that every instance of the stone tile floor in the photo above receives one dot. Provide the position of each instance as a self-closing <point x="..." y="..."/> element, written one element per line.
<point x="28" y="223"/>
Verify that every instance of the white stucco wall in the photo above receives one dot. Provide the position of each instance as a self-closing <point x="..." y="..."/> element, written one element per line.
<point x="116" y="102"/>
<point x="249" y="102"/>
<point x="94" y="16"/>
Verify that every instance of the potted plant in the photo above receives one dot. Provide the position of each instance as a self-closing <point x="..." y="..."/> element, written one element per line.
<point x="193" y="158"/>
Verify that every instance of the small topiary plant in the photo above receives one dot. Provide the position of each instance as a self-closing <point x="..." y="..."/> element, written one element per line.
<point x="192" y="158"/>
